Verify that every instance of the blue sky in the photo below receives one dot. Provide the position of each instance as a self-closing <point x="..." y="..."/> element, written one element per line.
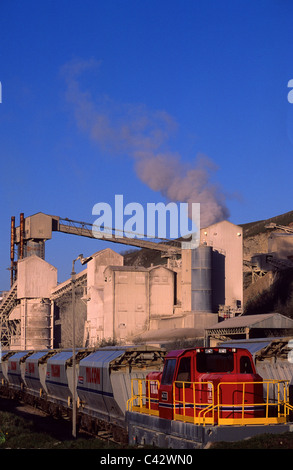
<point x="95" y="91"/>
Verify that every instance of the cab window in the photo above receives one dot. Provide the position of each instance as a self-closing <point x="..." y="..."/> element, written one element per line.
<point x="168" y="372"/>
<point x="215" y="362"/>
<point x="183" y="374"/>
<point x="245" y="365"/>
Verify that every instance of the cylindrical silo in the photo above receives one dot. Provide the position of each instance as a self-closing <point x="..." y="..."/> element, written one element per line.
<point x="34" y="248"/>
<point x="37" y="320"/>
<point x="201" y="278"/>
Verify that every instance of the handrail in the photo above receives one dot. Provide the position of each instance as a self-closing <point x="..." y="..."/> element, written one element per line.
<point x="209" y="409"/>
<point x="277" y="402"/>
<point x="144" y="399"/>
<point x="204" y="403"/>
<point x="198" y="415"/>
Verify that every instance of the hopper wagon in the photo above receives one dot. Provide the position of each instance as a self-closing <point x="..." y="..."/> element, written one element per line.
<point x="143" y="395"/>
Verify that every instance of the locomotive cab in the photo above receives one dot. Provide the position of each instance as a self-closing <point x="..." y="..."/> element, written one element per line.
<point x="194" y="380"/>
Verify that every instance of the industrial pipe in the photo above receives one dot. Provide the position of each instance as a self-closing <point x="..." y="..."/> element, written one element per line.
<point x="21" y="235"/>
<point x="12" y="242"/>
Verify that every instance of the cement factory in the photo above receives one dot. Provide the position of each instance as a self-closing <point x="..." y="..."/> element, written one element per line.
<point x="99" y="347"/>
<point x="178" y="298"/>
<point x="186" y="295"/>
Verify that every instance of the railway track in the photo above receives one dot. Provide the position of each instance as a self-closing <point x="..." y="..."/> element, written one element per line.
<point x="59" y="426"/>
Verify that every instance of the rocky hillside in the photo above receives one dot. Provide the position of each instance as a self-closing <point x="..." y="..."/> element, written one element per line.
<point x="142" y="257"/>
<point x="255" y="234"/>
<point x="272" y="292"/>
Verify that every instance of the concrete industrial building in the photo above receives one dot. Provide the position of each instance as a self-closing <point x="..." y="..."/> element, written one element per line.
<point x="125" y="303"/>
<point x="33" y="310"/>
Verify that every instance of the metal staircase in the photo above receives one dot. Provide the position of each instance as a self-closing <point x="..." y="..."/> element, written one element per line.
<point x="6" y="327"/>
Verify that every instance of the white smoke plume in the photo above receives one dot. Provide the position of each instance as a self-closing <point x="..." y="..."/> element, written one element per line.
<point x="143" y="134"/>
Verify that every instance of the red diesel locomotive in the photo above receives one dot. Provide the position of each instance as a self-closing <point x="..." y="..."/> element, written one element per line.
<point x="205" y="382"/>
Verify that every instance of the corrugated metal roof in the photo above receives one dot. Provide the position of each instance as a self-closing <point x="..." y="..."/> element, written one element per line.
<point x="60" y="357"/>
<point x="19" y="355"/>
<point x="252" y="346"/>
<point x="252" y="321"/>
<point x="38" y="355"/>
<point x="100" y="358"/>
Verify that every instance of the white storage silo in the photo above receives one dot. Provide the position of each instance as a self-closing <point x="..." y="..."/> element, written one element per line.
<point x="201" y="278"/>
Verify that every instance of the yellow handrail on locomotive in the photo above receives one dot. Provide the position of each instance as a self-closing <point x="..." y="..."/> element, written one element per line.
<point x="195" y="419"/>
<point x="279" y="402"/>
<point x="144" y="400"/>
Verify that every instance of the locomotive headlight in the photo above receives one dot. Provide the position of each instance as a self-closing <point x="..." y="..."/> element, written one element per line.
<point x="209" y="351"/>
<point x="222" y="350"/>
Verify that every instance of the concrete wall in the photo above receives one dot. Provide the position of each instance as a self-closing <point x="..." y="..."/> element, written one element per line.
<point x="63" y="319"/>
<point x="95" y="323"/>
<point x="133" y="296"/>
<point x="161" y="286"/>
<point x="126" y="302"/>
<point x="227" y="242"/>
<point x="35" y="278"/>
<point x="131" y="303"/>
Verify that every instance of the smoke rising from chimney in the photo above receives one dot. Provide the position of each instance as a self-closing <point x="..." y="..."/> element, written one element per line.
<point x="143" y="134"/>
